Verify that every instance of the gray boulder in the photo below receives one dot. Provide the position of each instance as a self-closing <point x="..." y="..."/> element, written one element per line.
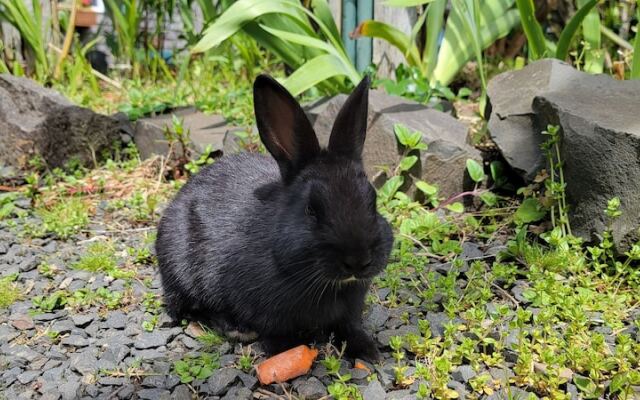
<point x="442" y="164"/>
<point x="513" y="124"/>
<point x="600" y="139"/>
<point x="204" y="130"/>
<point x="601" y="154"/>
<point x="38" y="121"/>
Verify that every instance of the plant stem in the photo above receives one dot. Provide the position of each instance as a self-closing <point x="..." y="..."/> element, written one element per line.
<point x="565" y="216"/>
<point x="611" y="35"/>
<point x="552" y="177"/>
<point x="474" y="192"/>
<point x="67" y="39"/>
<point x="55" y="23"/>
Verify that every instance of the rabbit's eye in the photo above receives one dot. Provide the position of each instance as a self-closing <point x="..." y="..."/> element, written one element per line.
<point x="310" y="211"/>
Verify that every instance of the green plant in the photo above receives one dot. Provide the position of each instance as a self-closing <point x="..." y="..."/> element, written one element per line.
<point x="9" y="290"/>
<point x="33" y="187"/>
<point x="209" y="338"/>
<point x="142" y="205"/>
<point x="468" y="29"/>
<point x="635" y="65"/>
<point x="65" y="218"/>
<point x="51" y="302"/>
<point x="556" y="184"/>
<point x="286" y="28"/>
<point x="210" y="12"/>
<point x="539" y="47"/>
<point x="591" y="32"/>
<point x="80" y="80"/>
<point x="54" y="336"/>
<point x="7" y="205"/>
<point x="203" y="160"/>
<point x="178" y="135"/>
<point x="16" y="13"/>
<point x="245" y="362"/>
<point x="47" y="270"/>
<point x="101" y="257"/>
<point x="408" y="82"/>
<point x="103" y="297"/>
<point x="340" y="388"/>
<point x="412" y="145"/>
<point x="152" y="306"/>
<point x="141" y="255"/>
<point x="4" y="69"/>
<point x="127" y="17"/>
<point x="201" y="367"/>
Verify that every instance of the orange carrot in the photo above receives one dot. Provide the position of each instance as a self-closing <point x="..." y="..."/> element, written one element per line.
<point x="360" y="365"/>
<point x="287" y="365"/>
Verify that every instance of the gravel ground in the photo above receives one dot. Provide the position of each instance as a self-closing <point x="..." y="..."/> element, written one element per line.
<point x="105" y="353"/>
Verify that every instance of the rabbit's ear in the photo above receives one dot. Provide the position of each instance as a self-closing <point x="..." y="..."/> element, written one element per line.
<point x="284" y="128"/>
<point x="350" y="127"/>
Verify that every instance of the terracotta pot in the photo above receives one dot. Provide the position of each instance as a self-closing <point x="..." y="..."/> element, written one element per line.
<point x="86" y="18"/>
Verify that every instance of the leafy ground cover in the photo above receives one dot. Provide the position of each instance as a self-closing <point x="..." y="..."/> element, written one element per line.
<point x="483" y="303"/>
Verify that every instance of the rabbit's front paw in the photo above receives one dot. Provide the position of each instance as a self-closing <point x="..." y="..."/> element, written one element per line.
<point x="359" y="344"/>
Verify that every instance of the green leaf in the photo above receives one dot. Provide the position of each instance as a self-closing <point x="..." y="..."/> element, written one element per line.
<point x="469" y="12"/>
<point x="529" y="211"/>
<point x="406" y="3"/>
<point x="476" y="172"/>
<point x="242" y="12"/>
<point x="408" y="162"/>
<point x="532" y="29"/>
<point x="584" y="384"/>
<point x="323" y="13"/>
<point x="496" y="20"/>
<point x="390" y="187"/>
<point x="489" y="198"/>
<point x="421" y="146"/>
<point x="337" y="64"/>
<point x="205" y="372"/>
<point x="291" y="37"/>
<point x="6" y="210"/>
<point x="456" y="207"/>
<point x="29" y="25"/>
<point x="392" y="35"/>
<point x="426" y="188"/>
<point x="411" y="140"/>
<point x="464" y="92"/>
<point x="594" y="56"/>
<point x="618" y="383"/>
<point x="315" y="71"/>
<point x="497" y="172"/>
<point x="435" y="21"/>
<point x="571" y="28"/>
<point x="402" y="133"/>
<point x="635" y="64"/>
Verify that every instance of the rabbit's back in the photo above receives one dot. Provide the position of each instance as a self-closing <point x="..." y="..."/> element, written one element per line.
<point x="204" y="232"/>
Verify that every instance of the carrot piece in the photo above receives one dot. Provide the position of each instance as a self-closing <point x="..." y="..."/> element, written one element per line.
<point x="286" y="365"/>
<point x="360" y="365"/>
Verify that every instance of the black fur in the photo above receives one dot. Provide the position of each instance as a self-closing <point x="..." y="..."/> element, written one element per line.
<point x="272" y="245"/>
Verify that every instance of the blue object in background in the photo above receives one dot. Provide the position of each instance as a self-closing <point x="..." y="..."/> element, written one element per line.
<point x="360" y="51"/>
<point x="364" y="45"/>
<point x="348" y="25"/>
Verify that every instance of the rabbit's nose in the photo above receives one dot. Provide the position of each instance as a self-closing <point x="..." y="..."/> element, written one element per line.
<point x="357" y="263"/>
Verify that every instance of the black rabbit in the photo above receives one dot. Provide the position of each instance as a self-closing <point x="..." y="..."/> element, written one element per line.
<point x="280" y="248"/>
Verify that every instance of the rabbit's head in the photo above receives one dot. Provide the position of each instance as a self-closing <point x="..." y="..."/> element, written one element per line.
<point x="328" y="224"/>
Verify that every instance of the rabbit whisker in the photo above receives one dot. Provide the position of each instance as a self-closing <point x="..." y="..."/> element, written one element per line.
<point x="312" y="285"/>
<point x="326" y="284"/>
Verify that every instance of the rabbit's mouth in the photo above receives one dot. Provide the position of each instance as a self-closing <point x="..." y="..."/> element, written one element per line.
<point x="352" y="278"/>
